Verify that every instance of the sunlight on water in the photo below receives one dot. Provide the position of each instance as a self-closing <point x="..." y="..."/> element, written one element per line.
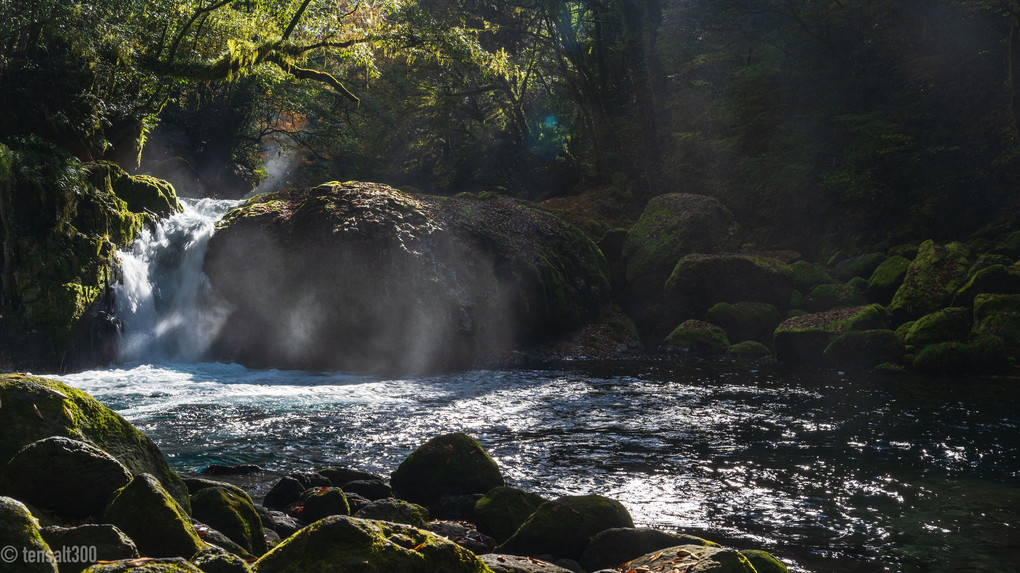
<point x="889" y="480"/>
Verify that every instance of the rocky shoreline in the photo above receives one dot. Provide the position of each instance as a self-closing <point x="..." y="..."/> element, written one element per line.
<point x="83" y="490"/>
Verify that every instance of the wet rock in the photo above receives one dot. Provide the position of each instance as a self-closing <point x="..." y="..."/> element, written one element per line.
<point x="502" y="511"/>
<point x="340" y="477"/>
<point x="694" y="559"/>
<point x="281" y="523"/>
<point x="764" y="562"/>
<point x="285" y="492"/>
<point x="616" y="546"/>
<point x="803" y="339"/>
<point x="746" y="320"/>
<point x="455" y="507"/>
<point x="451" y="464"/>
<point x="194" y="485"/>
<point x="216" y="560"/>
<point x="887" y="278"/>
<point x="322" y="502"/>
<point x="231" y="470"/>
<point x="999" y="315"/>
<point x="369" y="489"/>
<point x="440" y="281"/>
<point x="748" y="349"/>
<point x="109" y="542"/>
<point x="216" y="539"/>
<point x="696" y="338"/>
<point x="157" y="524"/>
<point x="74" y="479"/>
<point x="146" y="565"/>
<point x="36" y="408"/>
<point x="231" y="514"/>
<point x="864" y="349"/>
<point x="347" y="544"/>
<point x="563" y="527"/>
<point x="518" y="564"/>
<point x="395" y="510"/>
<point x="18" y="529"/>
<point x="859" y="266"/>
<point x="931" y="281"/>
<point x="464" y="534"/>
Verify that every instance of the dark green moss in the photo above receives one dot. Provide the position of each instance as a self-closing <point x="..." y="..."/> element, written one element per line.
<point x="157" y="524"/>
<point x="764" y="562"/>
<point x="999" y="315"/>
<point x="451" y="464"/>
<point x="20" y="530"/>
<point x="887" y="278"/>
<point x="232" y="515"/>
<point x="946" y="325"/>
<point x="746" y="320"/>
<point x="696" y="337"/>
<point x="932" y="279"/>
<point x="502" y="510"/>
<point x="563" y="527"/>
<point x="864" y="349"/>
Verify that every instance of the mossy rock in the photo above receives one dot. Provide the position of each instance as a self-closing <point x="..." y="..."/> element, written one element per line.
<point x="195" y="485"/>
<point x="859" y="266"/>
<point x="994" y="279"/>
<point x="143" y="193"/>
<point x="451" y="464"/>
<point x="803" y="339"/>
<point x="989" y="354"/>
<point x="395" y="510"/>
<point x="520" y="564"/>
<point x="807" y="276"/>
<point x="612" y="547"/>
<point x="216" y="560"/>
<point x="887" y="278"/>
<point x="764" y="562"/>
<point x="931" y="281"/>
<point x="943" y="359"/>
<point x="18" y="529"/>
<point x="864" y="349"/>
<point x="833" y="296"/>
<point x="695" y="559"/>
<point x="157" y="524"/>
<point x="321" y="502"/>
<point x="172" y="565"/>
<point x="696" y="337"/>
<point x="946" y="325"/>
<point x="109" y="542"/>
<point x="71" y="478"/>
<point x="35" y="408"/>
<point x="563" y="527"/>
<point x="672" y="226"/>
<point x="342" y="544"/>
<point x="502" y="511"/>
<point x="999" y="315"/>
<point x="700" y="281"/>
<point x="749" y="349"/>
<point x="1010" y="246"/>
<point x="232" y="515"/>
<point x="746" y="320"/>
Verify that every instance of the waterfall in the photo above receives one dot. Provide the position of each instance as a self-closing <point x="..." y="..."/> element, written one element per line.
<point x="164" y="299"/>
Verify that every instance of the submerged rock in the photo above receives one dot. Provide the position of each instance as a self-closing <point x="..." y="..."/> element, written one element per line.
<point x="361" y="276"/>
<point x="342" y="544"/>
<point x="451" y="464"/>
<point x="36" y="408"/>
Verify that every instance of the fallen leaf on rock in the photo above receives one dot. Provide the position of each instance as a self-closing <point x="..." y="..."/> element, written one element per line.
<point x="37" y="412"/>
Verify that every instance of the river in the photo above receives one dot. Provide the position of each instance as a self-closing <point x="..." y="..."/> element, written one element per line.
<point x="832" y="472"/>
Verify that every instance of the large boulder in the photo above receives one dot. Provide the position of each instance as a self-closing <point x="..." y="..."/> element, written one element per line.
<point x="361" y="276"/>
<point x="932" y="279"/>
<point x="697" y="338"/>
<point x="153" y="520"/>
<point x="746" y="320"/>
<point x="395" y="510"/>
<point x="612" y="547"/>
<point x="999" y="315"/>
<point x="994" y="279"/>
<point x="563" y="527"/>
<point x="19" y="536"/>
<point x="804" y="339"/>
<point x="946" y="325"/>
<point x="694" y="559"/>
<point x="672" y="226"/>
<point x="73" y="479"/>
<point x="887" y="278"/>
<point x="451" y="464"/>
<point x="700" y="281"/>
<point x="502" y="511"/>
<point x="342" y="544"/>
<point x="84" y="543"/>
<point x="232" y="515"/>
<point x="864" y="348"/>
<point x="35" y="408"/>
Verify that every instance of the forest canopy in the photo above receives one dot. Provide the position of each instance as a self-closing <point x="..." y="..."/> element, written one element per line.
<point x="861" y="123"/>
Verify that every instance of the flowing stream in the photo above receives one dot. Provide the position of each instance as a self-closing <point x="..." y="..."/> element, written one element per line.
<point x="830" y="472"/>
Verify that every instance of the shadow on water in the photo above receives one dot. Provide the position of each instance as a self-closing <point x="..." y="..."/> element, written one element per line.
<point x="832" y="472"/>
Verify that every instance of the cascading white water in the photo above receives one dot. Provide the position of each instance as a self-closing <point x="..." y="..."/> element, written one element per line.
<point x="164" y="300"/>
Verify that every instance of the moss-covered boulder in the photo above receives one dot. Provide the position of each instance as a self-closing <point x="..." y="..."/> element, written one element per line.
<point x="395" y="510"/>
<point x="943" y="359"/>
<point x="694" y="559"/>
<point x="746" y="320"/>
<point x="321" y="502"/>
<point x="361" y="276"/>
<point x="833" y="296"/>
<point x="887" y="278"/>
<point x="999" y="315"/>
<point x="864" y="349"/>
<point x="748" y="349"/>
<point x="35" y="408"/>
<point x="612" y="547"/>
<point x="858" y="266"/>
<point x="502" y="511"/>
<point x="216" y="560"/>
<point x="994" y="279"/>
<point x="672" y="226"/>
<point x="195" y="485"/>
<point x="108" y="543"/>
<point x="563" y="527"/>
<point x="19" y="533"/>
<point x="807" y="275"/>
<point x="171" y="565"/>
<point x="60" y="226"/>
<point x="370" y="489"/>
<point x="946" y="325"/>
<point x="764" y="562"/>
<point x="696" y="337"/>
<point x="71" y="478"/>
<point x="342" y="544"/>
<point x="700" y="281"/>
<point x="932" y="279"/>
<point x="451" y="464"/>
<point x="142" y="193"/>
<point x="232" y="515"/>
<point x="520" y="564"/>
<point x="157" y="524"/>
<point x="803" y="339"/>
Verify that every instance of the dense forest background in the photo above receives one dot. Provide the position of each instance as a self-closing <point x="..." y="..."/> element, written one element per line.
<point x="821" y="124"/>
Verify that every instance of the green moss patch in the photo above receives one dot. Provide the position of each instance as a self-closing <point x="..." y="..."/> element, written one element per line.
<point x="157" y="524"/>
<point x="451" y="464"/>
<point x="232" y="515"/>
<point x="696" y="337"/>
<point x="932" y="279"/>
